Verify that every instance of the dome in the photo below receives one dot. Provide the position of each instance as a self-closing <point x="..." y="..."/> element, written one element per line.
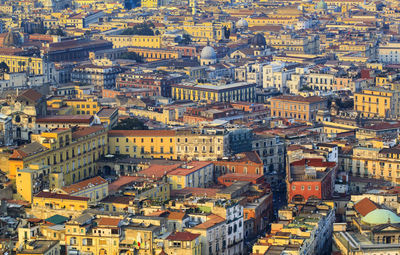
<point x="208" y="52"/>
<point x="321" y="5"/>
<point x="242" y="23"/>
<point x="12" y="39"/>
<point x="258" y="41"/>
<point x="381" y="216"/>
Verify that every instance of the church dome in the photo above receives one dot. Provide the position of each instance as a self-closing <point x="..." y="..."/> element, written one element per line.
<point x="12" y="39"/>
<point x="242" y="23"/>
<point x="258" y="41"/>
<point x="208" y="52"/>
<point x="381" y="216"/>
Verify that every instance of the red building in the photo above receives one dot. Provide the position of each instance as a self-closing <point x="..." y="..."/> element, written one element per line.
<point x="310" y="178"/>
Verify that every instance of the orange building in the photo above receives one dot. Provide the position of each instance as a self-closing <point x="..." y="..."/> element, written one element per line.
<point x="297" y="107"/>
<point x="243" y="163"/>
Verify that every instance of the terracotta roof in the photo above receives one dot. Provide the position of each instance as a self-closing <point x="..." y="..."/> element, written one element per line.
<point x="66" y="119"/>
<point x="30" y="94"/>
<point x="43" y="194"/>
<point x="83" y="185"/>
<point x="191" y="168"/>
<point x="182" y="236"/>
<point x="86" y="131"/>
<point x="157" y="171"/>
<point x="117" y="200"/>
<point x="315" y="162"/>
<point x="200" y="192"/>
<point x="27" y="150"/>
<point x="152" y="133"/>
<point x="212" y="221"/>
<point x="176" y="215"/>
<point x="122" y="181"/>
<point x="106" y="112"/>
<point x="311" y="99"/>
<point x="365" y="206"/>
<point x="105" y="221"/>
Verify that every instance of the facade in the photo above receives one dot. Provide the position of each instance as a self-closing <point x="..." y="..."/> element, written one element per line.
<point x="377" y="102"/>
<point x="145" y="41"/>
<point x="310" y="179"/>
<point x="70" y="153"/>
<point x="143" y="143"/>
<point x="194" y="174"/>
<point x="297" y="107"/>
<point x="95" y="189"/>
<point x="24" y="108"/>
<point x="83" y="106"/>
<point x="389" y="53"/>
<point x="271" y="151"/>
<point x="31" y="180"/>
<point x="241" y="91"/>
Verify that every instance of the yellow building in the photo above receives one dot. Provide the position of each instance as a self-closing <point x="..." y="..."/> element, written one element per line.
<point x="166" y="116"/>
<point x="31" y="180"/>
<point x="102" y="237"/>
<point x="182" y="243"/>
<point x="95" y="189"/>
<point x="377" y="102"/>
<point x="71" y="154"/>
<point x="145" y="41"/>
<point x="83" y="106"/>
<point x="143" y="143"/>
<point x="139" y="237"/>
<point x="207" y="31"/>
<point x="150" y="3"/>
<point x="47" y="204"/>
<point x="21" y="63"/>
<point x="195" y="174"/>
<point x="40" y="247"/>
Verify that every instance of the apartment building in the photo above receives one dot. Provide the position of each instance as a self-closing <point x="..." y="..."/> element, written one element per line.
<point x="297" y="107"/>
<point x="377" y="102"/>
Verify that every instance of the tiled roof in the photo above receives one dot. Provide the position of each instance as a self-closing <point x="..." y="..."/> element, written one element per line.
<point x="151" y="133"/>
<point x="27" y="150"/>
<point x="105" y="221"/>
<point x="117" y="200"/>
<point x="157" y="171"/>
<point x="83" y="185"/>
<point x="315" y="162"/>
<point x="30" y="94"/>
<point x="176" y="215"/>
<point x="123" y="180"/>
<point x="43" y="194"/>
<point x="311" y="99"/>
<point x="212" y="221"/>
<point x="66" y="119"/>
<point x="191" y="168"/>
<point x="106" y="112"/>
<point x="182" y="236"/>
<point x="86" y="131"/>
<point x="365" y="206"/>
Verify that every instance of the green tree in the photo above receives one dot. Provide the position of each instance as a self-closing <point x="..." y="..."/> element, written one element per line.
<point x="140" y="29"/>
<point x="186" y="39"/>
<point x="130" y="124"/>
<point x="4" y="68"/>
<point x="132" y="56"/>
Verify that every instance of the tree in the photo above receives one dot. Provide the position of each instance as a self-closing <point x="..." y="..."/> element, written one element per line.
<point x="131" y="56"/>
<point x="130" y="124"/>
<point x="4" y="68"/>
<point x="227" y="32"/>
<point x="140" y="29"/>
<point x="186" y="39"/>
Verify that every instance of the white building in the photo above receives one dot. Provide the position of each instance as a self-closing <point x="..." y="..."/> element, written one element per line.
<point x="276" y="75"/>
<point x="389" y="53"/>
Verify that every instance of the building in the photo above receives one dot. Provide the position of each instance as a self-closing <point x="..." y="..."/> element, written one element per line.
<point x="143" y="143"/>
<point x="182" y="243"/>
<point x="305" y="229"/>
<point x="48" y="123"/>
<point x="96" y="235"/>
<point x="83" y="106"/>
<point x="241" y="91"/>
<point x="194" y="174"/>
<point x="41" y="247"/>
<point x="24" y="108"/>
<point x="145" y="41"/>
<point x="389" y="53"/>
<point x="377" y="102"/>
<point x="240" y="163"/>
<point x="31" y="180"/>
<point x="70" y="153"/>
<point x="297" y="107"/>
<point x="310" y="179"/>
<point x="100" y="73"/>
<point x="271" y="150"/>
<point x="32" y="65"/>
<point x="47" y="204"/>
<point x="95" y="189"/>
